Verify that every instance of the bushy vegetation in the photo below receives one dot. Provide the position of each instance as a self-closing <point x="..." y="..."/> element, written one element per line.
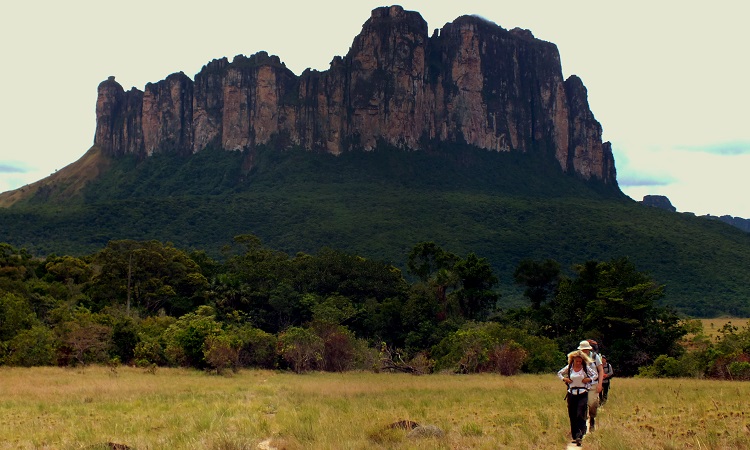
<point x="150" y="304"/>
<point x="727" y="356"/>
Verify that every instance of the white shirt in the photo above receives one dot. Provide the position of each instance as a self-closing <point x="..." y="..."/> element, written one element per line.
<point x="595" y="365"/>
<point x="576" y="377"/>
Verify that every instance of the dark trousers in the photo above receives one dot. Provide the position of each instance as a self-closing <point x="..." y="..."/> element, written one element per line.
<point x="603" y="394"/>
<point x="577" y="407"/>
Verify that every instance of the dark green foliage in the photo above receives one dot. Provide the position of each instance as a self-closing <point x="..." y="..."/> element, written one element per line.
<point x="506" y="207"/>
<point x="31" y="347"/>
<point x="476" y="279"/>
<point x="124" y="338"/>
<point x="663" y="367"/>
<point x="330" y="310"/>
<point x="540" y="278"/>
<point x="611" y="302"/>
<point x="152" y="344"/>
<point x="16" y="315"/>
<point x="351" y="223"/>
<point x="148" y="275"/>
<point x="426" y="258"/>
<point x="257" y="348"/>
<point x="186" y="338"/>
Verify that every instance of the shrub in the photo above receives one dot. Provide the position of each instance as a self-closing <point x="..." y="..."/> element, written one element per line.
<point x="663" y="367"/>
<point x="506" y="358"/>
<point x="694" y="364"/>
<point x="729" y="367"/>
<point x="84" y="338"/>
<point x="301" y="348"/>
<point x="256" y="348"/>
<point x="489" y="347"/>
<point x="16" y="314"/>
<point x="149" y="352"/>
<point x="542" y="354"/>
<point x="739" y="370"/>
<point x="339" y="346"/>
<point x="185" y="339"/>
<point x="338" y="350"/>
<point x="422" y="363"/>
<point x="34" y="347"/>
<point x="221" y="353"/>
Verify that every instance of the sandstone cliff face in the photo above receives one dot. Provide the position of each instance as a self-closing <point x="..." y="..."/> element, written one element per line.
<point x="472" y="81"/>
<point x="167" y="115"/>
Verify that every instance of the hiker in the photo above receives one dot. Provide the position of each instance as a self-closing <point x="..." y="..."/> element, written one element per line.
<point x="595" y="387"/>
<point x="577" y="375"/>
<point x="608" y="373"/>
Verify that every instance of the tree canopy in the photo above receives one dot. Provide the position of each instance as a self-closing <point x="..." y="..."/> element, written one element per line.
<point x="149" y="303"/>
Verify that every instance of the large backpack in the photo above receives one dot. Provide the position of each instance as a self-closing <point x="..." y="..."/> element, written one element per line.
<point x="585" y="369"/>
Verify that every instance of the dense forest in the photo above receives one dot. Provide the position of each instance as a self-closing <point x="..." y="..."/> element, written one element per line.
<point x="506" y="207"/>
<point x="150" y="304"/>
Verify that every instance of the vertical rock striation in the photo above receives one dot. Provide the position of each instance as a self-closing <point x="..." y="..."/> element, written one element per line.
<point x="472" y="81"/>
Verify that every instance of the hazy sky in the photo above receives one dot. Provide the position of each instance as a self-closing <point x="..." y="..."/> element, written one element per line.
<point x="669" y="81"/>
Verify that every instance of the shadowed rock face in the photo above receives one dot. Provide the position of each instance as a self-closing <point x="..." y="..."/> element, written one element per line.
<point x="472" y="81"/>
<point x="658" y="201"/>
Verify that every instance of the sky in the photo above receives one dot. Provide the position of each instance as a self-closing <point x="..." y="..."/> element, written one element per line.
<point x="669" y="81"/>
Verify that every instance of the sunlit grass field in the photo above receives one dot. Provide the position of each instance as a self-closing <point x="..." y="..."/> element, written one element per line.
<point x="56" y="408"/>
<point x="711" y="327"/>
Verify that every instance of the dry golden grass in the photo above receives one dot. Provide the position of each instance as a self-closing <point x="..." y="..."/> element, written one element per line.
<point x="64" y="183"/>
<point x="53" y="408"/>
<point x="711" y="327"/>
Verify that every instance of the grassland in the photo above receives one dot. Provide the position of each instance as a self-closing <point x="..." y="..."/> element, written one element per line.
<point x="711" y="327"/>
<point x="55" y="408"/>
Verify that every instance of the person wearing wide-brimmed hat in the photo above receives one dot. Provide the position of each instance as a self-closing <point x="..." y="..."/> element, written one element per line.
<point x="589" y="348"/>
<point x="577" y="375"/>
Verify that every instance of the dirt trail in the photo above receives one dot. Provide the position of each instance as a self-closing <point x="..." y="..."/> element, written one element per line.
<point x="573" y="446"/>
<point x="266" y="445"/>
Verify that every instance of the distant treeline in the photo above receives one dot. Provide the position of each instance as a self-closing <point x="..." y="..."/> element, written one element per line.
<point x="150" y="304"/>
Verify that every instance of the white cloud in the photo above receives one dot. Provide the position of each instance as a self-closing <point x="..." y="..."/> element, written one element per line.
<point x="723" y="148"/>
<point x="10" y="167"/>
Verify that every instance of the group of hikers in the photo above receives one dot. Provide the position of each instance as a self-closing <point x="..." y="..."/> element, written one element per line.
<point x="587" y="376"/>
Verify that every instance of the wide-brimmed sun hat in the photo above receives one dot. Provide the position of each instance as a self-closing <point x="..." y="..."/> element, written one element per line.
<point x="584" y="345"/>
<point x="578" y="354"/>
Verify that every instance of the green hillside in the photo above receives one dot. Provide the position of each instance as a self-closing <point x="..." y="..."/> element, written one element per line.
<point x="502" y="206"/>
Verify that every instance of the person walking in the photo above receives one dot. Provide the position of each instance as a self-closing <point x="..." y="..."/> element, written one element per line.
<point x="577" y="375"/>
<point x="587" y="347"/>
<point x="608" y="373"/>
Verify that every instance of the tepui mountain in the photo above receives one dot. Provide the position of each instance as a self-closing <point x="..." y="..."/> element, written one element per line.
<point x="470" y="82"/>
<point x="468" y="136"/>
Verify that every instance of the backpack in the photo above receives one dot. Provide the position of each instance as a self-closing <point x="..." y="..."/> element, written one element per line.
<point x="585" y="369"/>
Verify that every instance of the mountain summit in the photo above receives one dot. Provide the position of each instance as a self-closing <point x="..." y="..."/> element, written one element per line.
<point x="470" y="82"/>
<point x="469" y="138"/>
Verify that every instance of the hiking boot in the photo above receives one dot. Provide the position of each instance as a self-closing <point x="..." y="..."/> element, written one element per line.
<point x="592" y="426"/>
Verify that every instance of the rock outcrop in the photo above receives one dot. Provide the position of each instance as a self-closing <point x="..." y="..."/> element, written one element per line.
<point x="658" y="201"/>
<point x="472" y="81"/>
<point x="739" y="222"/>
